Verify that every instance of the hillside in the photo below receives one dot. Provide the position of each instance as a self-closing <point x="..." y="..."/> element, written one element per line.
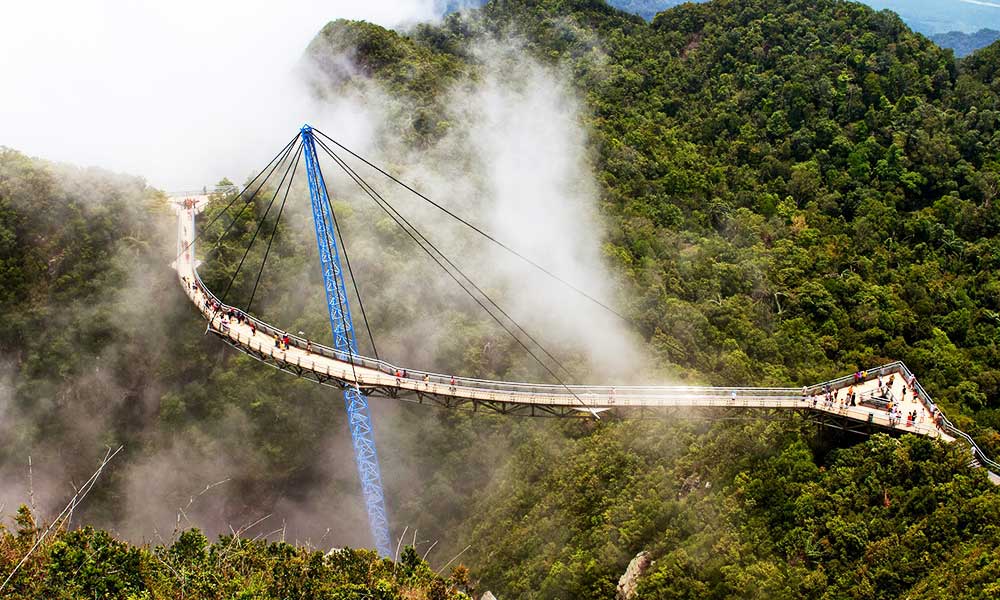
<point x="962" y="26"/>
<point x="793" y="190"/>
<point x="965" y="44"/>
<point x="785" y="191"/>
<point x="791" y="199"/>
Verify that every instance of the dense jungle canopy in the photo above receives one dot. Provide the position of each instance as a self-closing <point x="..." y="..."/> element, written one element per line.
<point x="789" y="191"/>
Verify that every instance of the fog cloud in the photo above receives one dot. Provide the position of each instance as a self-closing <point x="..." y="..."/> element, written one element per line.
<point x="181" y="96"/>
<point x="178" y="92"/>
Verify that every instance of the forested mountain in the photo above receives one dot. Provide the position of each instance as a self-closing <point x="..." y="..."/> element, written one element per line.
<point x="795" y="191"/>
<point x="934" y="16"/>
<point x="965" y="44"/>
<point x="788" y="190"/>
<point x="962" y="26"/>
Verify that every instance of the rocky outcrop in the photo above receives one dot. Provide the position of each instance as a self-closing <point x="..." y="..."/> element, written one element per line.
<point x="630" y="580"/>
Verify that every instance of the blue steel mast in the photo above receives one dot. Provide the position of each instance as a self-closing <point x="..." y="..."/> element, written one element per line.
<point x="358" y="414"/>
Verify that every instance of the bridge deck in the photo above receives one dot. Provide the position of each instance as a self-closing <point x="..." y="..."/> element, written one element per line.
<point x="330" y="367"/>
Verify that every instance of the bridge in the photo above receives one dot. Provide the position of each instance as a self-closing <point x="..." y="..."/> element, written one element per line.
<point x="851" y="403"/>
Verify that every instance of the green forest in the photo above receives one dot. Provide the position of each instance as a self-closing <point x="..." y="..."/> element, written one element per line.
<point x="789" y="192"/>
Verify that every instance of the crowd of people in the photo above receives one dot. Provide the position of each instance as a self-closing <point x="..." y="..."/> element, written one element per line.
<point x="884" y="397"/>
<point x="831" y="398"/>
<point x="282" y="341"/>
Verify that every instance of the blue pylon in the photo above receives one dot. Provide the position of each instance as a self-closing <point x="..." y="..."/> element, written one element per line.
<point x="358" y="414"/>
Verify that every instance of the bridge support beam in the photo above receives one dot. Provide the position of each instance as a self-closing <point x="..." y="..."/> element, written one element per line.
<point x="342" y="325"/>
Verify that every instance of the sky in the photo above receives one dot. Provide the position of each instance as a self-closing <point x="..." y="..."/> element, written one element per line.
<point x="181" y="92"/>
<point x="940" y="16"/>
<point x="184" y="93"/>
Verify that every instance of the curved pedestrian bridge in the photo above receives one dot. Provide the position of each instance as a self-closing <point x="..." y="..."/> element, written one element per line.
<point x="828" y="402"/>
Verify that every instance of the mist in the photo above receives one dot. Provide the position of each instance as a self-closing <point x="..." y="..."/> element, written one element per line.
<point x="514" y="161"/>
<point x="177" y="92"/>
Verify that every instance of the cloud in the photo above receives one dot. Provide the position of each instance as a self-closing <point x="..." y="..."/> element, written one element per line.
<point x="981" y="3"/>
<point x="181" y="92"/>
<point x="513" y="160"/>
<point x="180" y="110"/>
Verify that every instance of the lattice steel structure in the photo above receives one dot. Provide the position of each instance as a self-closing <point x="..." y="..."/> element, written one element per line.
<point x="344" y="340"/>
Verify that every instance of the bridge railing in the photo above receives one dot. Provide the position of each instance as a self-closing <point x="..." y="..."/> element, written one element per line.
<point x="925" y="399"/>
<point x="440" y="378"/>
<point x="583" y="390"/>
<point x="950" y="428"/>
<point x="216" y="189"/>
<point x="880" y="371"/>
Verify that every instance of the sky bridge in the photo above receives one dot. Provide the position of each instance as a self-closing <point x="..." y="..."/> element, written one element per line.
<point x="851" y="403"/>
<point x="331" y="367"/>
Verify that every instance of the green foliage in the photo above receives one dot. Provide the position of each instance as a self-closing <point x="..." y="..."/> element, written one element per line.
<point x="795" y="190"/>
<point x="738" y="512"/>
<point x="777" y="166"/>
<point x="792" y="190"/>
<point x="92" y="564"/>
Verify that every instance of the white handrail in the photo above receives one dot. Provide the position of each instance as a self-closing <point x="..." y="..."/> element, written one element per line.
<point x="617" y="395"/>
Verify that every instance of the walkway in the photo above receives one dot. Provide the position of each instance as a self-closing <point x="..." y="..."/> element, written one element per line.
<point x="375" y="377"/>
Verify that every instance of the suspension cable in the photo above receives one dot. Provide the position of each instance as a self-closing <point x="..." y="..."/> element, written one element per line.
<point x="361" y="182"/>
<point x="250" y="199"/>
<point x="237" y="197"/>
<point x="477" y="229"/>
<point x="270" y="240"/>
<point x="250" y="245"/>
<point x="400" y="220"/>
